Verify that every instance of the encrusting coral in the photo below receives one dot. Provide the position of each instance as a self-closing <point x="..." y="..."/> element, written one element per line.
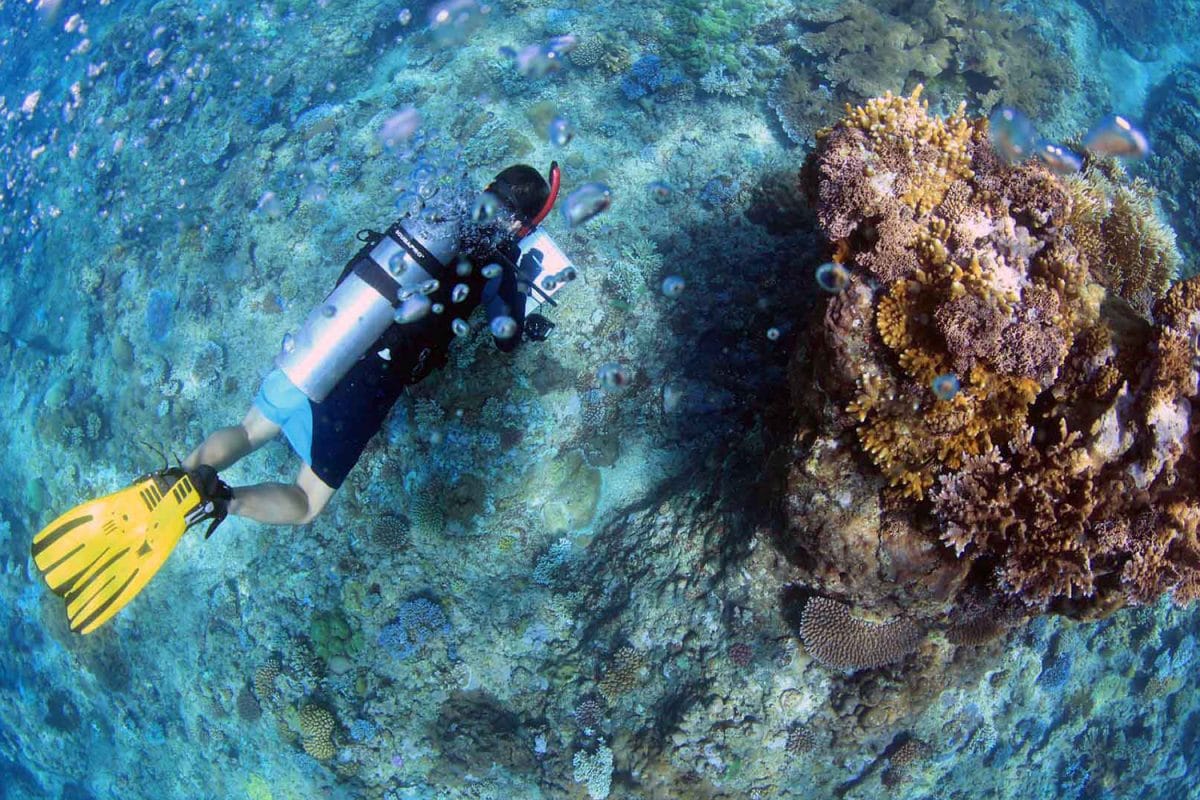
<point x="1061" y="471"/>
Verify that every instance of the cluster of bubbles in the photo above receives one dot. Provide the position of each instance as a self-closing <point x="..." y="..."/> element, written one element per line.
<point x="1015" y="139"/>
<point x="552" y="282"/>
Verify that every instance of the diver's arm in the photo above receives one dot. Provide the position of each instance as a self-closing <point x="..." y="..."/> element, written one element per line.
<point x="502" y="297"/>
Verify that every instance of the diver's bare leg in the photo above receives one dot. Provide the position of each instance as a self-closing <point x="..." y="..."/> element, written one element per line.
<point x="283" y="504"/>
<point x="225" y="446"/>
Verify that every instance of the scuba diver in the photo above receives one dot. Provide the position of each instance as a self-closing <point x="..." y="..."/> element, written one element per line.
<point x="388" y="323"/>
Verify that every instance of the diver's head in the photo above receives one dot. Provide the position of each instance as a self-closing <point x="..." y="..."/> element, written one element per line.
<point x="523" y="190"/>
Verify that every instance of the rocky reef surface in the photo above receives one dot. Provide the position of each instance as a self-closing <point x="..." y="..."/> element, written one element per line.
<point x="776" y="564"/>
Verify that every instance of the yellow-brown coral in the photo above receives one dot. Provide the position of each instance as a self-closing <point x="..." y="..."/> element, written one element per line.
<point x="1064" y="472"/>
<point x="316" y="730"/>
<point x="902" y="132"/>
<point x="1120" y="235"/>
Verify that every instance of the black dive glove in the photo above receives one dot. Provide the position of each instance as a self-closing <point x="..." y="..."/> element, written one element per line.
<point x="215" y="495"/>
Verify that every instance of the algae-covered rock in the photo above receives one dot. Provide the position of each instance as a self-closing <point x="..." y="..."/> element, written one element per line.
<point x="332" y="636"/>
<point x="122" y="351"/>
<point x="567" y="489"/>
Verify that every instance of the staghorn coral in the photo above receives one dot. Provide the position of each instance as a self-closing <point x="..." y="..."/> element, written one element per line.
<point x="1062" y="474"/>
<point x="837" y="639"/>
<point x="316" y="731"/>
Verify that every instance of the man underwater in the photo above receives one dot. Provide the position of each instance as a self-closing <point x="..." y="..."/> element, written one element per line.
<point x="387" y="324"/>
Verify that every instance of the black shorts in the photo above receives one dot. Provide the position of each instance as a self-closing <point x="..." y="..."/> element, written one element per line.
<point x="331" y="435"/>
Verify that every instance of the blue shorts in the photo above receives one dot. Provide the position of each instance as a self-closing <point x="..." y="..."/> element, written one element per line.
<point x="281" y="402"/>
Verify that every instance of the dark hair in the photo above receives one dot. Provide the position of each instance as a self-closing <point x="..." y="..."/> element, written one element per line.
<point x="522" y="188"/>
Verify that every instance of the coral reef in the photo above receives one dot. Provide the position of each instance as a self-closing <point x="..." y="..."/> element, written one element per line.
<point x="1173" y="114"/>
<point x="1145" y="26"/>
<point x="1061" y="466"/>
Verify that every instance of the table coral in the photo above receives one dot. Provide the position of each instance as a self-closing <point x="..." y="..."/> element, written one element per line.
<point x="834" y="637"/>
<point x="987" y="53"/>
<point x="1062" y="472"/>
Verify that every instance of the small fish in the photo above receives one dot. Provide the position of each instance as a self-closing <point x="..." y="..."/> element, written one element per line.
<point x="460" y="327"/>
<point x="560" y="132"/>
<point x="1059" y="159"/>
<point x="586" y="202"/>
<point x="673" y="286"/>
<point x="661" y="191"/>
<point x="459" y="293"/>
<point x="773" y="334"/>
<point x="491" y="271"/>
<point x="945" y="387"/>
<point x="1116" y="136"/>
<point x="833" y="277"/>
<point x="1012" y="134"/>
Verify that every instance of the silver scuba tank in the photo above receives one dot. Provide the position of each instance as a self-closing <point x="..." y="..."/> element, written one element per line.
<point x="342" y="328"/>
<point x="360" y="308"/>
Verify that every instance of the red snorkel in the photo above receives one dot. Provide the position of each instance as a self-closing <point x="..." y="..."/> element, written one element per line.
<point x="555" y="181"/>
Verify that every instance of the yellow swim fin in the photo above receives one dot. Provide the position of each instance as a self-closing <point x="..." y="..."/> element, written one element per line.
<point x="100" y="554"/>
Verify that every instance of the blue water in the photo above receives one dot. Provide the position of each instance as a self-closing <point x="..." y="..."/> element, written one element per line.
<point x="544" y="578"/>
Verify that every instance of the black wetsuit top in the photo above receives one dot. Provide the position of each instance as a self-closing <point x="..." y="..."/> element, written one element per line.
<point x="355" y="409"/>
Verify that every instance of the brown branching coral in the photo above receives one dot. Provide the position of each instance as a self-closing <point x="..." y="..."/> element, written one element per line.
<point x="1120" y="235"/>
<point x="834" y="637"/>
<point x="1063" y="473"/>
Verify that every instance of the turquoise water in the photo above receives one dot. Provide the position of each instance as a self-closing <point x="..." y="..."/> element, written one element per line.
<point x="535" y="583"/>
